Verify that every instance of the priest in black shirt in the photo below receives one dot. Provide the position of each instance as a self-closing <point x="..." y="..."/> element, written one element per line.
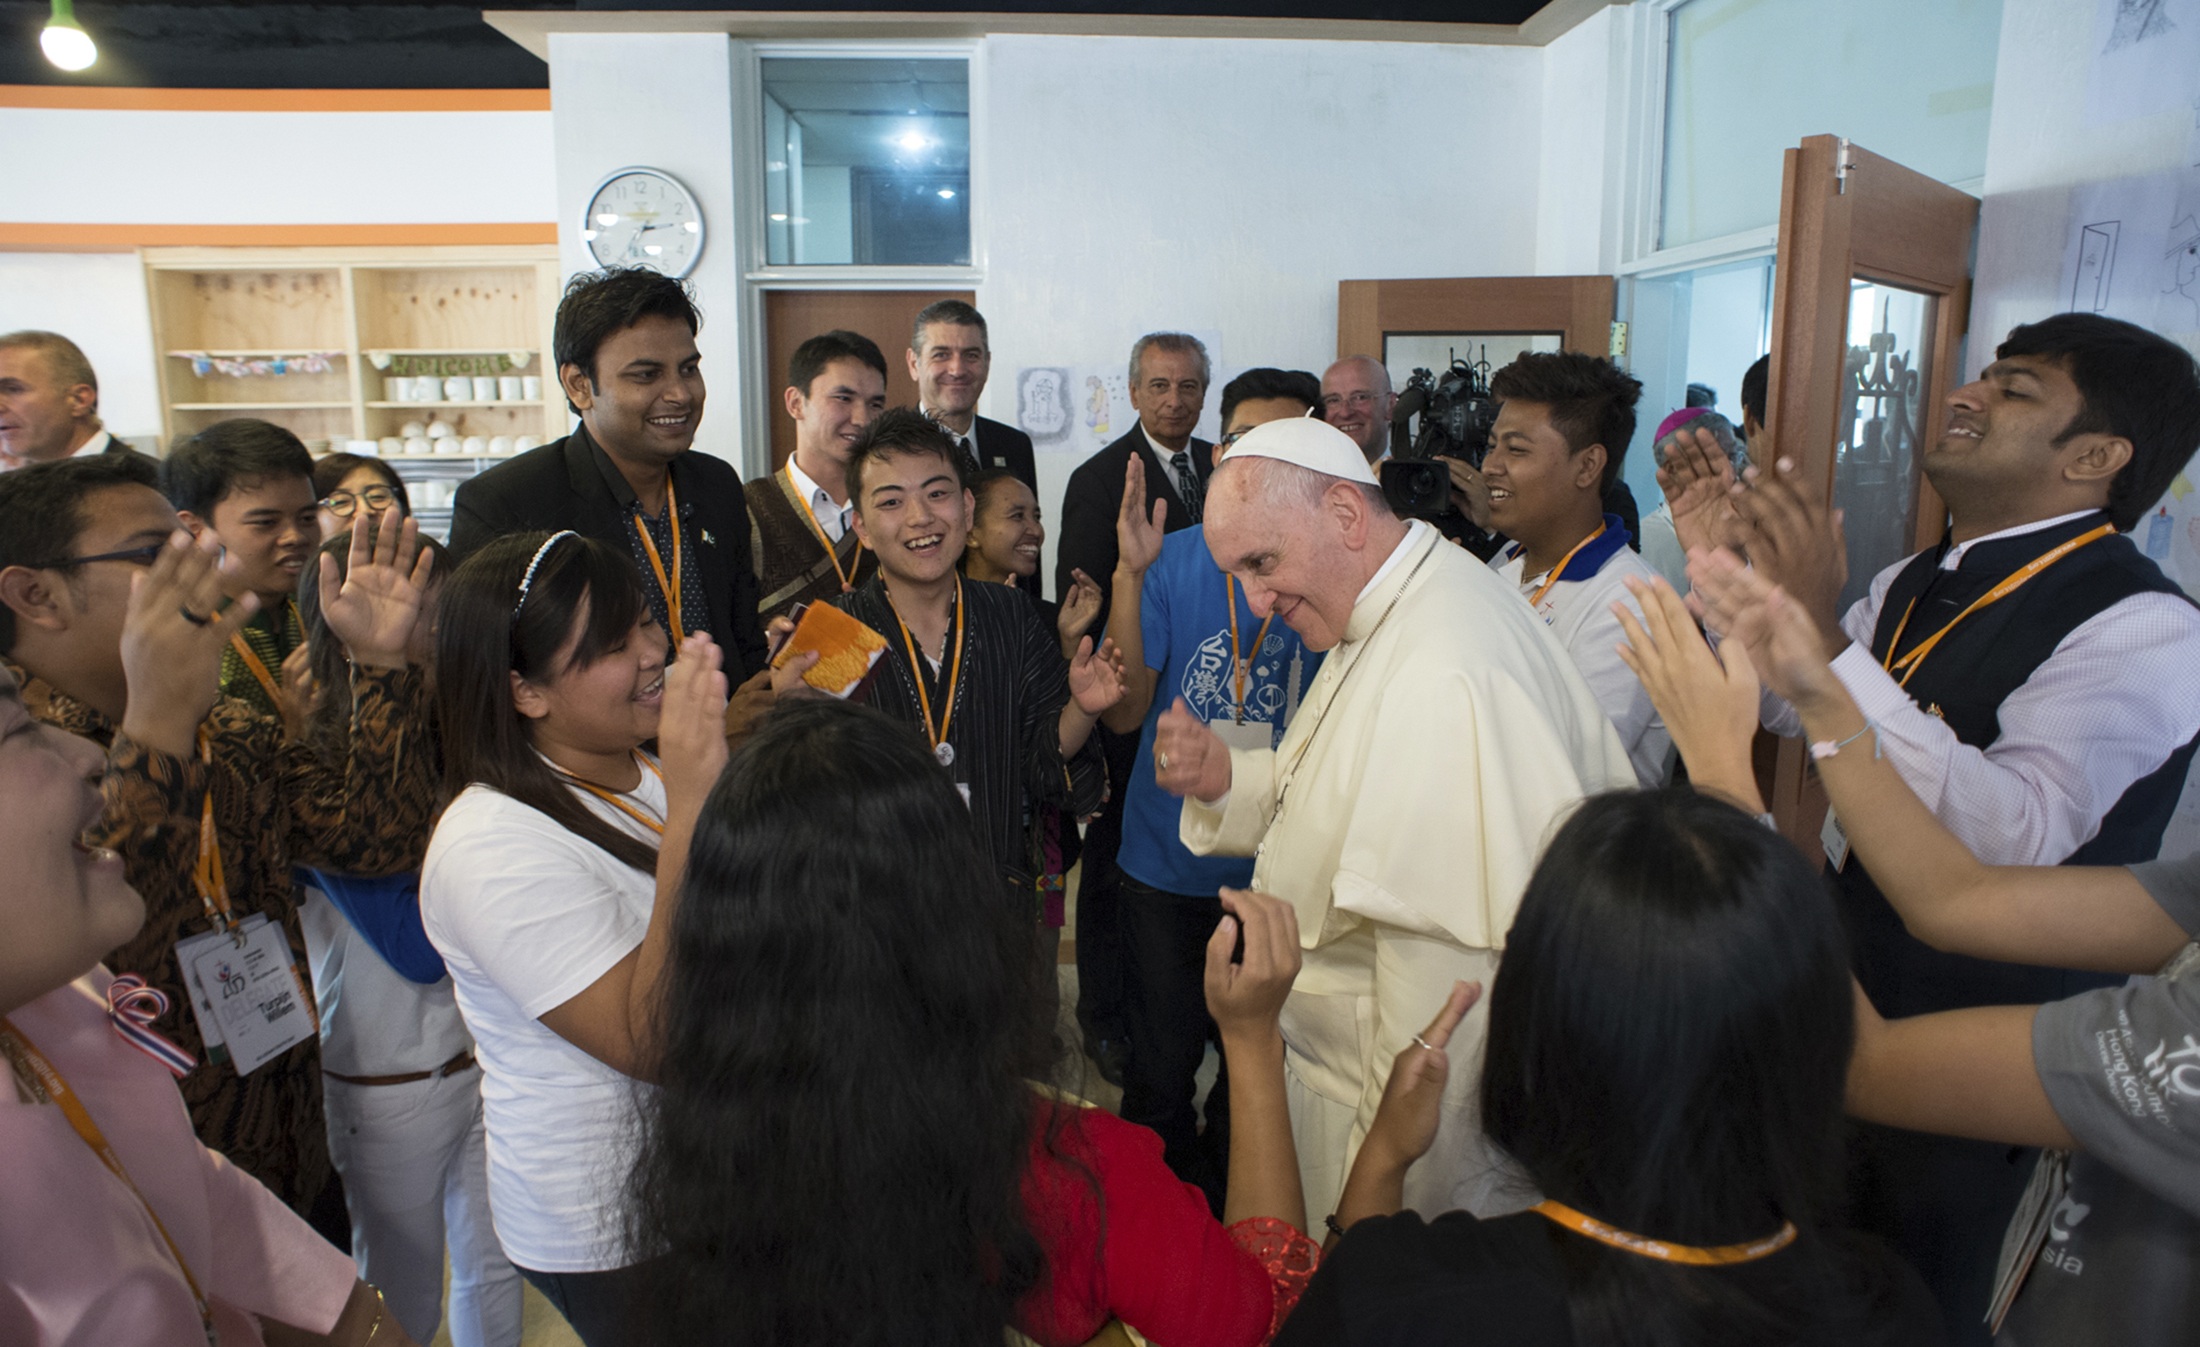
<point x="969" y="665"/>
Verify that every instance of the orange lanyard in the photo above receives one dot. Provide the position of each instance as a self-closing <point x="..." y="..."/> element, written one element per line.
<point x="1909" y="663"/>
<point x="615" y="800"/>
<point x="1551" y="578"/>
<point x="206" y="875"/>
<point x="669" y="588"/>
<point x="27" y="1056"/>
<point x="1237" y="664"/>
<point x="259" y="668"/>
<point x="832" y="551"/>
<point x="940" y="749"/>
<point x="1662" y="1250"/>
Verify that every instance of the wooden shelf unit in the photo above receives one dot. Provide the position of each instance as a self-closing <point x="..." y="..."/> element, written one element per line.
<point x="363" y="310"/>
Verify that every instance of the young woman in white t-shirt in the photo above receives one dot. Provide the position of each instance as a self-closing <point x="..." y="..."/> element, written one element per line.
<point x="541" y="886"/>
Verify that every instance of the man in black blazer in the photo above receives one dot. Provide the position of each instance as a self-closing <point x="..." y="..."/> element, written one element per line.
<point x="1169" y="377"/>
<point x="626" y="357"/>
<point x="950" y="356"/>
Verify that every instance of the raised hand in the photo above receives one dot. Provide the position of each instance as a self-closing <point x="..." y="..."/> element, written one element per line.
<point x="1188" y="758"/>
<point x="1095" y="677"/>
<point x="373" y="609"/>
<point x="173" y="634"/>
<point x="1405" y="1122"/>
<point x="1698" y="482"/>
<point x="1782" y="637"/>
<point x="1138" y="535"/>
<point x="1794" y="537"/>
<point x="1246" y="996"/>
<point x="691" y="735"/>
<point x="1707" y="699"/>
<point x="1076" y="611"/>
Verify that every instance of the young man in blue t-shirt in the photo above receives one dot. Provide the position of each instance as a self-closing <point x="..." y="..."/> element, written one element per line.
<point x="1187" y="634"/>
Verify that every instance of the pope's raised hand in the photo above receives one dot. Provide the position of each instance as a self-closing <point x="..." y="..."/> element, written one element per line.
<point x="1188" y="758"/>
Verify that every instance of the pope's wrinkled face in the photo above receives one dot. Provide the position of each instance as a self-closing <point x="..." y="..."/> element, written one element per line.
<point x="1290" y="555"/>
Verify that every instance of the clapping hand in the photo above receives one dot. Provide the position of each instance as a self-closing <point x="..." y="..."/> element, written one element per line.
<point x="691" y="734"/>
<point x="1096" y="676"/>
<point x="1188" y="758"/>
<point x="1782" y="637"/>
<point x="173" y="635"/>
<point x="1698" y="481"/>
<point x="1076" y="611"/>
<point x="1795" y="539"/>
<point x="373" y="607"/>
<point x="1708" y="700"/>
<point x="302" y="693"/>
<point x="1406" y="1120"/>
<point x="1246" y="995"/>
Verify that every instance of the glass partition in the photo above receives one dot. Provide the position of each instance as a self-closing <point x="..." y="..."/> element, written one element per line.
<point x="866" y="161"/>
<point x="1883" y="412"/>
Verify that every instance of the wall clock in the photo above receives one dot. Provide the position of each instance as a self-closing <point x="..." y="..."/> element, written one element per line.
<point x="644" y="217"/>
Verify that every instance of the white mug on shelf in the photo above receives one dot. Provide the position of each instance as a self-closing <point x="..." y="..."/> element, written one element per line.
<point x="439" y="430"/>
<point x="427" y="388"/>
<point x="365" y="448"/>
<point x="500" y="445"/>
<point x="477" y="445"/>
<point x="510" y="388"/>
<point x="417" y="446"/>
<point x="450" y="445"/>
<point x="457" y="388"/>
<point x="395" y="389"/>
<point x="531" y="386"/>
<point x="413" y="429"/>
<point x="485" y="389"/>
<point x="391" y="445"/>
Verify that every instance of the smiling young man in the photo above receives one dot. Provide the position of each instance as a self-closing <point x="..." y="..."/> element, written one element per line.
<point x="969" y="665"/>
<point x="1563" y="423"/>
<point x="2031" y="677"/>
<point x="803" y="547"/>
<point x="625" y="350"/>
<point x="950" y="357"/>
<point x="250" y="485"/>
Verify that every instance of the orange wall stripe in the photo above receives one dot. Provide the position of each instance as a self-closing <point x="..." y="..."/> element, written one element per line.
<point x="123" y="237"/>
<point x="94" y="98"/>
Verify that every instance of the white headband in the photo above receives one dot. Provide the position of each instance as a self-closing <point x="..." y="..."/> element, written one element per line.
<point x="527" y="581"/>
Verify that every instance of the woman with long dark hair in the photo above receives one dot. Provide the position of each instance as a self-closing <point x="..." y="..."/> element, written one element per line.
<point x="848" y="1145"/>
<point x="1668" y="1042"/>
<point x="547" y="888"/>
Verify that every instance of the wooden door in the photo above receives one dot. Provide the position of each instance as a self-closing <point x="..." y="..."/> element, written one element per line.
<point x="1575" y="310"/>
<point x="1871" y="298"/>
<point x="887" y="317"/>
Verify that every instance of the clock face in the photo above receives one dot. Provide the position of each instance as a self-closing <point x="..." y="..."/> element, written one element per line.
<point x="641" y="217"/>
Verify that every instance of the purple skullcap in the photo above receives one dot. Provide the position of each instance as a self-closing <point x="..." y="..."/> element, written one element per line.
<point x="1676" y="420"/>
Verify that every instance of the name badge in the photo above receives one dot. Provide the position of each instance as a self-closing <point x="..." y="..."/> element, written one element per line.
<point x="245" y="993"/>
<point x="1835" y="841"/>
<point x="1249" y="734"/>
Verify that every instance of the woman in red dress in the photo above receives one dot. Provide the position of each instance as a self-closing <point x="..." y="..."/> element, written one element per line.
<point x="851" y="1144"/>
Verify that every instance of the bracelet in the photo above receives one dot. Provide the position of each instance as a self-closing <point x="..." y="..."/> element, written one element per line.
<point x="1822" y="749"/>
<point x="1336" y="1227"/>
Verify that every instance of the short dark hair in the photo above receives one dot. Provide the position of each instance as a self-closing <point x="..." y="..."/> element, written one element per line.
<point x="203" y="468"/>
<point x="1265" y="382"/>
<point x="1592" y="400"/>
<point x="330" y="470"/>
<point x="1756" y="385"/>
<point x="811" y="357"/>
<point x="1667" y="1052"/>
<point x="952" y="313"/>
<point x="900" y="431"/>
<point x="599" y="305"/>
<point x="2131" y="383"/>
<point x="42" y="511"/>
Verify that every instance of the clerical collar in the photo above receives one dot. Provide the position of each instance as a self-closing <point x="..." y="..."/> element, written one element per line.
<point x="1587" y="559"/>
<point x="1955" y="555"/>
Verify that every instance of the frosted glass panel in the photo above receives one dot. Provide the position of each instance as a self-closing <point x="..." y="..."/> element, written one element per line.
<point x="866" y="161"/>
<point x="1909" y="80"/>
<point x="1883" y="387"/>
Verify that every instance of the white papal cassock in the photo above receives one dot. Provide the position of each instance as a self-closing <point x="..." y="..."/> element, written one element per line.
<point x="1442" y="743"/>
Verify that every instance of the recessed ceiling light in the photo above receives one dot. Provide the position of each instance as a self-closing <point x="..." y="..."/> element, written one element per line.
<point x="913" y="141"/>
<point x="947" y="194"/>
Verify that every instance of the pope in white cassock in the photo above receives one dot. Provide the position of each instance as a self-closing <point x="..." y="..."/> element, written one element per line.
<point x="1445" y="737"/>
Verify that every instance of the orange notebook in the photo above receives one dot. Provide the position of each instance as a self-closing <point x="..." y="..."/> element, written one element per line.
<point x="847" y="649"/>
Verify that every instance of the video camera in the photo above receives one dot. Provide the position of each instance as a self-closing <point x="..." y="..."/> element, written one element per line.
<point x="1456" y="416"/>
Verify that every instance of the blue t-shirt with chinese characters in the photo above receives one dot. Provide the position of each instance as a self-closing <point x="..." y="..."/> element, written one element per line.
<point x="1185" y="618"/>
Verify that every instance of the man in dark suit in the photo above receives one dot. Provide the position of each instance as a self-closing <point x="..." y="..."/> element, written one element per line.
<point x="1169" y="376"/>
<point x="49" y="402"/>
<point x="950" y="357"/>
<point x="625" y="350"/>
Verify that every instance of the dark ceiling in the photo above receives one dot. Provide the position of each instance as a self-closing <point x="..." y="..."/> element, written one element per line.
<point x="187" y="45"/>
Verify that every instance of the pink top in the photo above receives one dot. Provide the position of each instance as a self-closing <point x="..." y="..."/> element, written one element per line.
<point x="79" y="1260"/>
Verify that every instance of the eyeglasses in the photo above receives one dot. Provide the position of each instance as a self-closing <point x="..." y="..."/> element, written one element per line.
<point x="1358" y="402"/>
<point x="343" y="504"/>
<point x="136" y="556"/>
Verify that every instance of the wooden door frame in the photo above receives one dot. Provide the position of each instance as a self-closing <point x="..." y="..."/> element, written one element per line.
<point x="1848" y="213"/>
<point x="1579" y="308"/>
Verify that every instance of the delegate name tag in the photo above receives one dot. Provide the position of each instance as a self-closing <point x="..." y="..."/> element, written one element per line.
<point x="252" y="995"/>
<point x="1835" y="841"/>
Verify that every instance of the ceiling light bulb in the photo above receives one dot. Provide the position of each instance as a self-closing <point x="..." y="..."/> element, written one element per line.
<point x="65" y="43"/>
<point x="912" y="141"/>
<point x="947" y="194"/>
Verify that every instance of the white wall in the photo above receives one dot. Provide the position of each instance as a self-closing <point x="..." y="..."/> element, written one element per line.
<point x="98" y="301"/>
<point x="665" y="100"/>
<point x="1586" y="74"/>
